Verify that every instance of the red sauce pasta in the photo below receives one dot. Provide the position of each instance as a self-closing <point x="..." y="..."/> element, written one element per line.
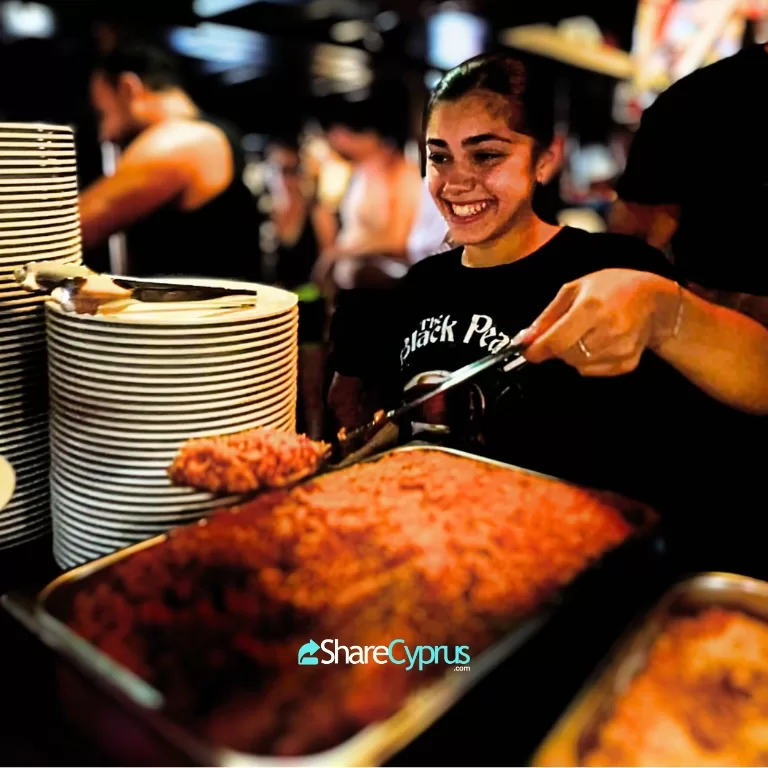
<point x="421" y="546"/>
<point x="701" y="700"/>
<point x="246" y="461"/>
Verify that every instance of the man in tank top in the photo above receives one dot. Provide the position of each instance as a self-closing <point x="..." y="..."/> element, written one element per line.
<point x="178" y="192"/>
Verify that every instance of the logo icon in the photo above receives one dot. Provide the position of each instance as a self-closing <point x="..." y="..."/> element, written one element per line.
<point x="306" y="653"/>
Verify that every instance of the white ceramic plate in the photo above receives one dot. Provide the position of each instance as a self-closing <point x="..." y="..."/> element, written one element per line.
<point x="93" y="533"/>
<point x="171" y="429"/>
<point x="150" y="368"/>
<point x="173" y="377"/>
<point x="207" y="334"/>
<point x="19" y="526"/>
<point x="76" y="549"/>
<point x="8" y="240"/>
<point x="21" y="204"/>
<point x="135" y="411"/>
<point x="98" y="391"/>
<point x="142" y="451"/>
<point x="57" y="220"/>
<point x="81" y="502"/>
<point x="122" y="526"/>
<point x="41" y="234"/>
<point x="25" y="537"/>
<point x="119" y="348"/>
<point x="34" y="151"/>
<point x="72" y="255"/>
<point x="26" y="503"/>
<point x="142" y="407"/>
<point x="168" y="344"/>
<point x="123" y="476"/>
<point x="97" y="486"/>
<point x="146" y="471"/>
<point x="21" y="208"/>
<point x="269" y="302"/>
<point x="24" y="253"/>
<point x="127" y="509"/>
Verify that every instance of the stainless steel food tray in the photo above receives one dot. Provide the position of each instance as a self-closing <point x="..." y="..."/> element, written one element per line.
<point x="576" y="733"/>
<point x="373" y="745"/>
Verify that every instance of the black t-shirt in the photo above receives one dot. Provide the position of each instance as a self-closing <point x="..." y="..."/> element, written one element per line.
<point x="702" y="145"/>
<point x="649" y="434"/>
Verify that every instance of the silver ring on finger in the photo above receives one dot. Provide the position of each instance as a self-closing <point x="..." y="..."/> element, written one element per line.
<point x="584" y="350"/>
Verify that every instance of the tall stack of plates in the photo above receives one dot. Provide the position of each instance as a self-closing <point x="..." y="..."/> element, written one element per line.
<point x="39" y="221"/>
<point x="128" y="389"/>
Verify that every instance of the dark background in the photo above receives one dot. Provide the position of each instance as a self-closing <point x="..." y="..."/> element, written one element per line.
<point x="47" y="79"/>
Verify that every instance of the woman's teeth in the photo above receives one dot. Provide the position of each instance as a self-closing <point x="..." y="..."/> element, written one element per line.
<point x="470" y="209"/>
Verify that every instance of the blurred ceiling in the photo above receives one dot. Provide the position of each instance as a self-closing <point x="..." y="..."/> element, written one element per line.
<point x="247" y="56"/>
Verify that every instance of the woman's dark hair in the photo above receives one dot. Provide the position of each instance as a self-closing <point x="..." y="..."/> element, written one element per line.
<point x="530" y="98"/>
<point x="155" y="68"/>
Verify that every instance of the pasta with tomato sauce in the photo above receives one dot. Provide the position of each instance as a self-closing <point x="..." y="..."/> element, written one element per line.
<point x="423" y="546"/>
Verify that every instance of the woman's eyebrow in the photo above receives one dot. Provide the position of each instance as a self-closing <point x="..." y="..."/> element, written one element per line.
<point x="471" y="141"/>
<point x="482" y="138"/>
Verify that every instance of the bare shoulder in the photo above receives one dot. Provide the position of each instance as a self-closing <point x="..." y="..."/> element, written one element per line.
<point x="175" y="140"/>
<point x="407" y="176"/>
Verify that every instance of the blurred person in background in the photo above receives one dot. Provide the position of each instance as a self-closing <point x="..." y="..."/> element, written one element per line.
<point x="697" y="180"/>
<point x="378" y="214"/>
<point x="178" y="192"/>
<point x="304" y="229"/>
<point x="382" y="200"/>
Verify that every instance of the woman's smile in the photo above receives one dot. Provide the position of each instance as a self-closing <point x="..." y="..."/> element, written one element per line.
<point x="464" y="213"/>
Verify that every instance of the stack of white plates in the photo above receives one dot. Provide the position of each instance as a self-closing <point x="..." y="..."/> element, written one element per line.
<point x="39" y="221"/>
<point x="128" y="389"/>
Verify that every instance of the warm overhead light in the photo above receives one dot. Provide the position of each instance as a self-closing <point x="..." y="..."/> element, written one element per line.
<point x="337" y="53"/>
<point x="349" y="31"/>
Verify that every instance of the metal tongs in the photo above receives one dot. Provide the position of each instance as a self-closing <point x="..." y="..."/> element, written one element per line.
<point x="73" y="285"/>
<point x="384" y="428"/>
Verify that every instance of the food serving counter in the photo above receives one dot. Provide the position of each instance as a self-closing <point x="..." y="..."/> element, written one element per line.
<point x="495" y="713"/>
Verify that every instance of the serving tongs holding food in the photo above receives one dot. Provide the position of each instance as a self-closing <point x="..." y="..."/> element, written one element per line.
<point x="79" y="289"/>
<point x="384" y="428"/>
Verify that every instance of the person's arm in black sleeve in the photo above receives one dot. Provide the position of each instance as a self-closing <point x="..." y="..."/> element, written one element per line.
<point x="650" y="190"/>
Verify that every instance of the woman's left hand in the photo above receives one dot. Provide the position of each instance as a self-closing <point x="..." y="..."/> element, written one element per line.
<point x="602" y="323"/>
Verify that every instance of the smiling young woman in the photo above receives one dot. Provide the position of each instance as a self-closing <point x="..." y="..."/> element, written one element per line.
<point x="490" y="138"/>
<point x="489" y="145"/>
